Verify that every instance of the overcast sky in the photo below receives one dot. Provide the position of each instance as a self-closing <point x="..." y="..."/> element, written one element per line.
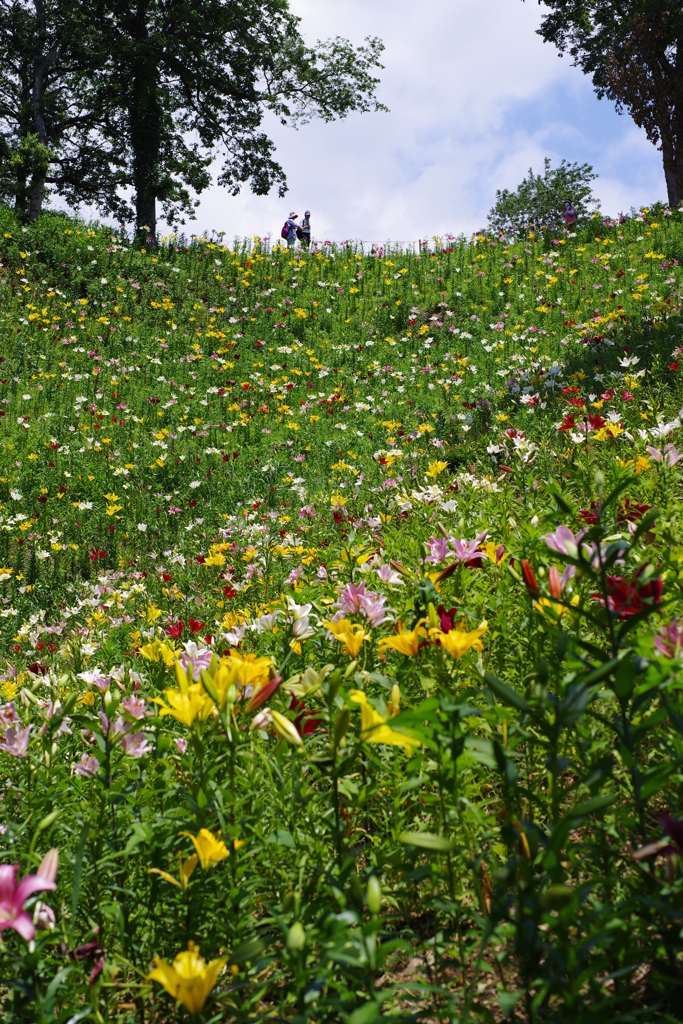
<point x="475" y="98"/>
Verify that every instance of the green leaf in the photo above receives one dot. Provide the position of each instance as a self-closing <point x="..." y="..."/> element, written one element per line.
<point x="78" y="871"/>
<point x="506" y="693"/>
<point x="426" y="841"/>
<point x="597" y="803"/>
<point x="281" y="838"/>
<point x="365" y="1014"/>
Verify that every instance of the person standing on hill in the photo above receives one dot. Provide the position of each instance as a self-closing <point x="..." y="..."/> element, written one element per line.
<point x="305" y="229"/>
<point x="292" y="228"/>
<point x="569" y="213"/>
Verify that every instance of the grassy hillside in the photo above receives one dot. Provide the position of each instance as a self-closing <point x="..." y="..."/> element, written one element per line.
<point x="368" y="564"/>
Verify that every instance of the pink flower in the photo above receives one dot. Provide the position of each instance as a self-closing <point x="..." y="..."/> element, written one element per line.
<point x="88" y="766"/>
<point x="355" y="600"/>
<point x="135" y="744"/>
<point x="135" y="706"/>
<point x="15" y="741"/>
<point x="563" y="541"/>
<point x="467" y="551"/>
<point x="389" y="575"/>
<point x="670" y="639"/>
<point x="13" y="895"/>
<point x="181" y="744"/>
<point x="8" y="716"/>
<point x="438" y="550"/>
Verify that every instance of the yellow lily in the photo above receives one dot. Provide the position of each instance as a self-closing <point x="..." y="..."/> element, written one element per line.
<point x="373" y="728"/>
<point x="189" y="978"/>
<point x="185" y="869"/>
<point x="406" y="641"/>
<point x="250" y="669"/>
<point x="458" y="641"/>
<point x="157" y="651"/>
<point x="210" y="850"/>
<point x="186" y="705"/>
<point x="349" y="634"/>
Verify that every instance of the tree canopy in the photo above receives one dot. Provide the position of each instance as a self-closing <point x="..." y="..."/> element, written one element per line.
<point x="538" y="201"/>
<point x="125" y="105"/>
<point x="633" y="50"/>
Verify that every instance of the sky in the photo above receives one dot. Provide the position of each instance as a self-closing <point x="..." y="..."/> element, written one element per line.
<point x="475" y="98"/>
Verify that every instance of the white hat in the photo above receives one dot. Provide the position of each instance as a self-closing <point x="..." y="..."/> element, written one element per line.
<point x="293" y="214"/>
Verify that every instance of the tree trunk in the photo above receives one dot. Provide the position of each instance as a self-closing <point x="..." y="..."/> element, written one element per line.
<point x="674" y="193"/>
<point x="41" y="159"/>
<point x="37" y="192"/>
<point x="146" y="116"/>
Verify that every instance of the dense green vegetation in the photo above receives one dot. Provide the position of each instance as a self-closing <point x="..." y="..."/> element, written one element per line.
<point x="339" y="625"/>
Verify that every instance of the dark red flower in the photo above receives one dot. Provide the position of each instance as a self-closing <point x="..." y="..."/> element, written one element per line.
<point x="446" y="618"/>
<point x="306" y="722"/>
<point x="195" y="625"/>
<point x="37" y="668"/>
<point x="589" y="516"/>
<point x="631" y="511"/>
<point x="628" y="597"/>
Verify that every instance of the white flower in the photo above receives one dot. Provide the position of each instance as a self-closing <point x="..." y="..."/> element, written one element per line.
<point x="142" y="527"/>
<point x="195" y="483"/>
<point x="15" y="495"/>
<point x="84" y="506"/>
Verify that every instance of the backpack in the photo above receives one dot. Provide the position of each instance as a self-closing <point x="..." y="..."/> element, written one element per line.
<point x="285" y="230"/>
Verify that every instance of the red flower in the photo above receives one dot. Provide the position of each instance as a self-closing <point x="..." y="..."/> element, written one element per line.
<point x="589" y="516"/>
<point x="596" y="421"/>
<point x="568" y="423"/>
<point x="229" y="592"/>
<point x="446" y="618"/>
<point x="628" y="597"/>
<point x="629" y="512"/>
<point x="176" y="630"/>
<point x="306" y="722"/>
<point x="37" y="668"/>
<point x="166" y="576"/>
<point x="195" y="625"/>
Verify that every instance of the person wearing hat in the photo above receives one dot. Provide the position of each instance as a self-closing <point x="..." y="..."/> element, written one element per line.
<point x="293" y="228"/>
<point x="305" y="229"/>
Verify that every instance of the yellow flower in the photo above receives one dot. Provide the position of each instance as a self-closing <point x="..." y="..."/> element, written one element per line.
<point x="436" y="468"/>
<point x="458" y="642"/>
<point x="249" y="669"/>
<point x="373" y="728"/>
<point x="209" y="849"/>
<point x="492" y="549"/>
<point x="642" y="464"/>
<point x="158" y="651"/>
<point x="189" y="978"/>
<point x="349" y="634"/>
<point x="185" y="869"/>
<point x="405" y="642"/>
<point x="186" y="703"/>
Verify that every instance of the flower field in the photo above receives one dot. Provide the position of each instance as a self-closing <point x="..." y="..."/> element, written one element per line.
<point x="340" y="628"/>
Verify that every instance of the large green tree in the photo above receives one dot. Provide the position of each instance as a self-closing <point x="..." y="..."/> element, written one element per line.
<point x="633" y="49"/>
<point x="53" y="123"/>
<point x="145" y="94"/>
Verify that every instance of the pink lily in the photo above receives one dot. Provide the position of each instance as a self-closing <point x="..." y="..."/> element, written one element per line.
<point x="13" y="894"/>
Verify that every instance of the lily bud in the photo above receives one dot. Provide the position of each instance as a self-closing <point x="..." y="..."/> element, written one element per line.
<point x="529" y="579"/>
<point x="374" y="895"/>
<point x="49" y="865"/>
<point x="395" y="698"/>
<point x="554" y="584"/>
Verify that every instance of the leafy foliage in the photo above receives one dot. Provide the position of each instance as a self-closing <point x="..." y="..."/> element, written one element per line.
<point x="538" y="202"/>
